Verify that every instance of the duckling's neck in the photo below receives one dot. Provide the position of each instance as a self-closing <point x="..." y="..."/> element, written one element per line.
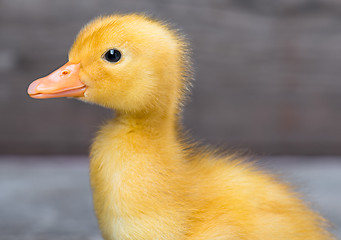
<point x="138" y="132"/>
<point x="153" y="124"/>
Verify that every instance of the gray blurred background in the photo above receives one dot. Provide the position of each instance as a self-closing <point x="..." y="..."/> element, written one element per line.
<point x="267" y="73"/>
<point x="267" y="81"/>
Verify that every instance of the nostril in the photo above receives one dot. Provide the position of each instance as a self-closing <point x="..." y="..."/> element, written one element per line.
<point x="65" y="72"/>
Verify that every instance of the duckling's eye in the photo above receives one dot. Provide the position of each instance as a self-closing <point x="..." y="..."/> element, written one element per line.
<point x="113" y="55"/>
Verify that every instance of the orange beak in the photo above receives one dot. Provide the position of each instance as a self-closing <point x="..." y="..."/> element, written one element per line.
<point x="63" y="82"/>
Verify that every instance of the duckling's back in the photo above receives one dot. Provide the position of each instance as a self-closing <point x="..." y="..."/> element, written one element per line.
<point x="236" y="201"/>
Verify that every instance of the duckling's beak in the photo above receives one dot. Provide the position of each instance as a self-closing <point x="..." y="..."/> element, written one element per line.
<point x="63" y="82"/>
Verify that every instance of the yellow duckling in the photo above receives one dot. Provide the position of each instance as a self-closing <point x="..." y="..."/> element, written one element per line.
<point x="147" y="182"/>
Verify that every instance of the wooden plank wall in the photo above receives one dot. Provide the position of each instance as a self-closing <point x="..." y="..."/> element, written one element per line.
<point x="268" y="73"/>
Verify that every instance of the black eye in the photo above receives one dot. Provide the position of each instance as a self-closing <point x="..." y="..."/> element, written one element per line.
<point x="112" y="55"/>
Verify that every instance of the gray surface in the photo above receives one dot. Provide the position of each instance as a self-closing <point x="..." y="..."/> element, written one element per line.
<point x="49" y="198"/>
<point x="267" y="72"/>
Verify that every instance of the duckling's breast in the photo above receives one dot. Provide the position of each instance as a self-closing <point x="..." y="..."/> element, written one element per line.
<point x="138" y="191"/>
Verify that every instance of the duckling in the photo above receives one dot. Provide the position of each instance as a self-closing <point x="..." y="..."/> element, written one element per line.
<point x="148" y="182"/>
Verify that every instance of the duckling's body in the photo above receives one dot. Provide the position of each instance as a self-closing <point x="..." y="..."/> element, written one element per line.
<point x="146" y="187"/>
<point x="147" y="182"/>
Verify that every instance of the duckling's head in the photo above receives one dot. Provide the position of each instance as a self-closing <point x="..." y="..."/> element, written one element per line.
<point x="130" y="63"/>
